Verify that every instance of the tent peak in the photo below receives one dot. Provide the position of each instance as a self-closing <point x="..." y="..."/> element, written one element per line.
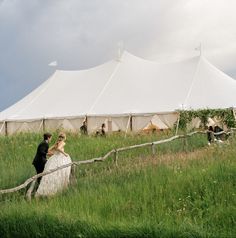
<point x="127" y="54"/>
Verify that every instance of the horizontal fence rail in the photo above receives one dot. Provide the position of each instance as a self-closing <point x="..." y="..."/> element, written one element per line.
<point x="100" y="159"/>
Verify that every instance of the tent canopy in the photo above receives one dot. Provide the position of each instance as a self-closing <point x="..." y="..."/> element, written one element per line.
<point x="126" y="86"/>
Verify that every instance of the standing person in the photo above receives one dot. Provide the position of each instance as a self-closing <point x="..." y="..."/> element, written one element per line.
<point x="210" y="135"/>
<point x="40" y="158"/>
<point x="58" y="180"/>
<point x="103" y="133"/>
<point x="217" y="129"/>
<point x="83" y="129"/>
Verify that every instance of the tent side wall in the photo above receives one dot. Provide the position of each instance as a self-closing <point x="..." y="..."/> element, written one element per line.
<point x="125" y="123"/>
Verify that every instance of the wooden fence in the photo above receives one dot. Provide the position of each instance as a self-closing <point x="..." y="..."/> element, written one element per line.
<point x="33" y="179"/>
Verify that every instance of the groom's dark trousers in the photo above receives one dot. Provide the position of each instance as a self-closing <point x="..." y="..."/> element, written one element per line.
<point x="40" y="158"/>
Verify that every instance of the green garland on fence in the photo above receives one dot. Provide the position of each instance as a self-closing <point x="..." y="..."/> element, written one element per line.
<point x="225" y="115"/>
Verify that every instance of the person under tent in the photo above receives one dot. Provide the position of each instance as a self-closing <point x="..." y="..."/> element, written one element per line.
<point x="101" y="132"/>
<point x="210" y="135"/>
<point x="84" y="129"/>
<point x="217" y="129"/>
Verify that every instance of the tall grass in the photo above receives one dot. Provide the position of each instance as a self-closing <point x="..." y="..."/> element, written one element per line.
<point x="17" y="152"/>
<point x="185" y="191"/>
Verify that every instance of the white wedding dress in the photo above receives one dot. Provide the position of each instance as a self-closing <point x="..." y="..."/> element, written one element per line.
<point x="52" y="183"/>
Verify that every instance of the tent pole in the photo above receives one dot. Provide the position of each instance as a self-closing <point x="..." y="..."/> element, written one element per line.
<point x="109" y="124"/>
<point x="6" y="132"/>
<point x="131" y="123"/>
<point x="43" y="124"/>
<point x="128" y="125"/>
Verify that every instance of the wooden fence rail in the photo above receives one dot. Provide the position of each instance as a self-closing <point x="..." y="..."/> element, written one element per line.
<point x="100" y="159"/>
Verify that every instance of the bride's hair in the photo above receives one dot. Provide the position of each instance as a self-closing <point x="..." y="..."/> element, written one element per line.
<point x="61" y="137"/>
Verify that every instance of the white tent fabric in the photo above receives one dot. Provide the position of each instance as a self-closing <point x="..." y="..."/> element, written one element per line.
<point x="121" y="123"/>
<point x="64" y="94"/>
<point x="156" y="121"/>
<point x="69" y="124"/>
<point x="161" y="121"/>
<point x="140" y="122"/>
<point x="168" y="119"/>
<point x="111" y="123"/>
<point x="23" y="126"/>
<point x="130" y="86"/>
<point x="94" y="123"/>
<point x="195" y="123"/>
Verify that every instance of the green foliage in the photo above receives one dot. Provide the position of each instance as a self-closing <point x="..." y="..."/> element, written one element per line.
<point x="225" y="115"/>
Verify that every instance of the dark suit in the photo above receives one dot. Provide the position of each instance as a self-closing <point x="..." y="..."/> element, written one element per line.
<point x="40" y="158"/>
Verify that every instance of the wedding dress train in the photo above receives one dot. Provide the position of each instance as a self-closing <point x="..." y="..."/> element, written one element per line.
<point x="52" y="183"/>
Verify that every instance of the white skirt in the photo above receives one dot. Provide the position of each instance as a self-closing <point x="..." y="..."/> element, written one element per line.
<point x="52" y="183"/>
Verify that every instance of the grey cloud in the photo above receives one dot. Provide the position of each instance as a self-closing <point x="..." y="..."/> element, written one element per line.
<point x="81" y="34"/>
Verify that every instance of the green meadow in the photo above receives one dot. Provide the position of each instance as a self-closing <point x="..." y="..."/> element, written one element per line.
<point x="188" y="189"/>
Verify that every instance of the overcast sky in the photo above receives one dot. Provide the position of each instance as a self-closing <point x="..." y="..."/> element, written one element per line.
<point x="84" y="33"/>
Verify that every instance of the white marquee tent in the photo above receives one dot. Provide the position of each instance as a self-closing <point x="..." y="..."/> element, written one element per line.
<point x="119" y="90"/>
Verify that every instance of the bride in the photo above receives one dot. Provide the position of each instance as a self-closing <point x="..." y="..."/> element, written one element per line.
<point x="56" y="181"/>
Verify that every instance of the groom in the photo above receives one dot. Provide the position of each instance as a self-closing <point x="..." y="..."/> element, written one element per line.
<point x="40" y="158"/>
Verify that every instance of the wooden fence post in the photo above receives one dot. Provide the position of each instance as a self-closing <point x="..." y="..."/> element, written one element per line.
<point x="73" y="176"/>
<point x="30" y="190"/>
<point x="185" y="142"/>
<point x="116" y="157"/>
<point x="153" y="149"/>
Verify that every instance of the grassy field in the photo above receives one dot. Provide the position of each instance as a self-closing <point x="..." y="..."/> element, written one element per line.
<point x="186" y="190"/>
